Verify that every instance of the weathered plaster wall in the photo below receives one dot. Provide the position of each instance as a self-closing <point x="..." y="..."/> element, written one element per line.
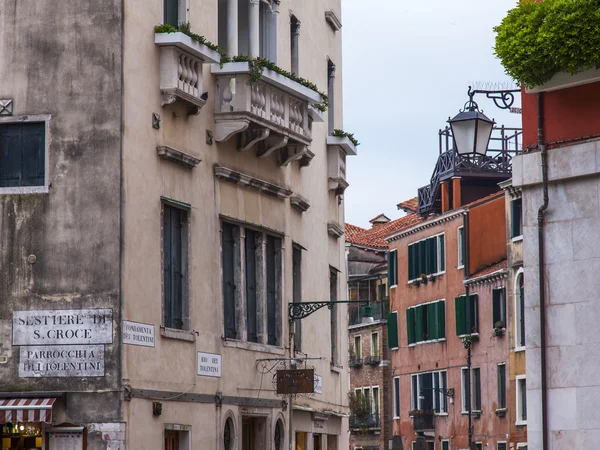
<point x="64" y="59"/>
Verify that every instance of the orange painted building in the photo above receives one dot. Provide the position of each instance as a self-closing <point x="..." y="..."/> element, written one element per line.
<point x="447" y="281"/>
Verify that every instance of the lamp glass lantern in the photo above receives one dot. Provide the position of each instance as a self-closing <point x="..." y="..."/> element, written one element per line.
<point x="472" y="131"/>
<point x="368" y="314"/>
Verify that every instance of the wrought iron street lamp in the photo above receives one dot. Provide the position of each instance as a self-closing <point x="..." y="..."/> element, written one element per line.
<point x="301" y="310"/>
<point x="471" y="128"/>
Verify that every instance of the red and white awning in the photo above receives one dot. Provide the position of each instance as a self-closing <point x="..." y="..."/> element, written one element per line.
<point x="26" y="410"/>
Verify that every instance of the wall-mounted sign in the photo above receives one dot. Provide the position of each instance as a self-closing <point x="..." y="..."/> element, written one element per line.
<point x="296" y="381"/>
<point x="136" y="333"/>
<point x="62" y="361"/>
<point x="209" y="364"/>
<point x="62" y="327"/>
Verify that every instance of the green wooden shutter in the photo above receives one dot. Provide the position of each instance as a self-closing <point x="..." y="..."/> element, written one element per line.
<point x="441" y="319"/>
<point x="392" y="324"/>
<point x="228" y="261"/>
<point x="431" y="320"/>
<point x="461" y="314"/>
<point x="442" y="254"/>
<point x="471" y="314"/>
<point x="389" y="269"/>
<point x="419" y="329"/>
<point x="410" y="325"/>
<point x="495" y="306"/>
<point x="394" y="268"/>
<point x="422" y="257"/>
<point x="272" y="245"/>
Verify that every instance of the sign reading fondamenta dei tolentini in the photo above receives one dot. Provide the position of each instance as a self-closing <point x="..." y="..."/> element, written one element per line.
<point x="62" y="361"/>
<point x="62" y="327"/>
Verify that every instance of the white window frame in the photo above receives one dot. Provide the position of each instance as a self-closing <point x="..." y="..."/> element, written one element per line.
<point x="45" y="118"/>
<point x="521" y="445"/>
<point x="396" y="391"/>
<point x="373" y="350"/>
<point x="518" y="404"/>
<point x="373" y="412"/>
<point x="463" y="390"/>
<point x="519" y="237"/>
<point x="460" y="248"/>
<point x="439" y="258"/>
<point x="436" y="398"/>
<point x="449" y="445"/>
<point x="395" y="275"/>
<point x="479" y="444"/>
<point x="429" y="341"/>
<point x="502" y="442"/>
<point x="440" y="396"/>
<point x="517" y="297"/>
<point x="358" y="351"/>
<point x="476" y="313"/>
<point x="504" y="387"/>
<point x="185" y="434"/>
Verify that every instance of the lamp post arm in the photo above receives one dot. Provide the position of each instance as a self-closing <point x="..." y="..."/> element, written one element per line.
<point x="503" y="99"/>
<point x="301" y="310"/>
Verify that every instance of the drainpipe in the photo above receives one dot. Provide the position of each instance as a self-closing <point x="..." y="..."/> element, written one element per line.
<point x="541" y="211"/>
<point x="468" y="386"/>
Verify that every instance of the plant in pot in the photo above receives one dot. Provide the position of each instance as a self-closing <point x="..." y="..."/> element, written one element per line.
<point x="423" y="278"/>
<point x="499" y="328"/>
<point x="431" y="277"/>
<point x="416" y="282"/>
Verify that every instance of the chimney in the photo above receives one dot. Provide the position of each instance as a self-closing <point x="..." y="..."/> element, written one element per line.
<point x="456" y="195"/>
<point x="445" y="197"/>
<point x="381" y="219"/>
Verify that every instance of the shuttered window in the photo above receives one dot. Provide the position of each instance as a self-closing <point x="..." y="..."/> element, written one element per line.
<point x="476" y="389"/>
<point x="392" y="324"/>
<point x="333" y="296"/>
<point x="22" y="154"/>
<point x="392" y="268"/>
<point x="466" y="308"/>
<point x="228" y="256"/>
<point x="516" y="213"/>
<point x="461" y="247"/>
<point x="174" y="265"/>
<point x="273" y="244"/>
<point x="426" y="257"/>
<point x="426" y="322"/>
<point x="297" y="293"/>
<point x="251" y="305"/>
<point x="499" y="308"/>
<point x="501" y="386"/>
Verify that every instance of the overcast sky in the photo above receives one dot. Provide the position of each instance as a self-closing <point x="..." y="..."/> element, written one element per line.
<point x="407" y="66"/>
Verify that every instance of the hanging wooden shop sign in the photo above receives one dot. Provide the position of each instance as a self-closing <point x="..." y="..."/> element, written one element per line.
<point x="296" y="381"/>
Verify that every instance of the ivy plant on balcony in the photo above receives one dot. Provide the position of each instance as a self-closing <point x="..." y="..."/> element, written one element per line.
<point x="342" y="134"/>
<point x="256" y="65"/>
<point x="537" y="40"/>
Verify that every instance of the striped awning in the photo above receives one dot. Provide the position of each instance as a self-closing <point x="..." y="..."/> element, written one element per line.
<point x="26" y="410"/>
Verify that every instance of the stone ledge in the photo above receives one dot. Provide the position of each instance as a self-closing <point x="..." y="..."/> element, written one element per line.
<point x="177" y="156"/>
<point x="300" y="203"/>
<point x="183" y="335"/>
<point x="251" y="182"/>
<point x="334" y="229"/>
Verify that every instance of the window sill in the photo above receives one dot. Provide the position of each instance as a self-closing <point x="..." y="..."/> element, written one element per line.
<point x="394" y="286"/>
<point x="521" y="423"/>
<point x="431" y="341"/>
<point x="460" y="267"/>
<point x="254" y="347"/>
<point x="473" y="413"/>
<point x="24" y="190"/>
<point x="465" y="335"/>
<point x="337" y="369"/>
<point x="519" y="349"/>
<point x="444" y="414"/>
<point x="437" y="274"/>
<point x="517" y="239"/>
<point x="174" y="333"/>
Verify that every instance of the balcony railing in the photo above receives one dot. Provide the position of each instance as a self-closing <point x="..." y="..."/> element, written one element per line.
<point x="380" y="311"/>
<point x="370" y="421"/>
<point x="271" y="114"/>
<point x="355" y="362"/>
<point x="373" y="360"/>
<point x="423" y="421"/>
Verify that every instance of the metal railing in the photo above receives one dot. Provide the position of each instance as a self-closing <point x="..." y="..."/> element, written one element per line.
<point x="380" y="311"/>
<point x="423" y="422"/>
<point x="370" y="421"/>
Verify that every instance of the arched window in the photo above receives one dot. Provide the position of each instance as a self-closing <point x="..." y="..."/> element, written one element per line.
<point x="520" y="311"/>
<point x="278" y="435"/>
<point x="228" y="434"/>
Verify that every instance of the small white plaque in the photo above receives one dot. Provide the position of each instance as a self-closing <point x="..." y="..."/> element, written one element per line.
<point x="318" y="384"/>
<point x="62" y="327"/>
<point x="61" y="361"/>
<point x="209" y="364"/>
<point x="136" y="333"/>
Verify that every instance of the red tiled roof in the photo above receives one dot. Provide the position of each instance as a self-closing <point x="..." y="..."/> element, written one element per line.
<point x="374" y="237"/>
<point x="410" y="206"/>
<point x="380" y="216"/>
<point x="501" y="265"/>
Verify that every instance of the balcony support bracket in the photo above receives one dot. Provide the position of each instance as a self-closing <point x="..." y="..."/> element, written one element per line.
<point x="253" y="136"/>
<point x="224" y="130"/>
<point x="272" y="144"/>
<point x="294" y="153"/>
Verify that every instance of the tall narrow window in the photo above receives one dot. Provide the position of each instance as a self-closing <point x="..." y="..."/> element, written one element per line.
<point x="516" y="213"/>
<point x="273" y="244"/>
<point x="396" y="397"/>
<point x="475" y="386"/>
<point x="375" y="346"/>
<point x="445" y="445"/>
<point x="499" y="308"/>
<point x="357" y="347"/>
<point x="501" y="386"/>
<point x="461" y="247"/>
<point x="476" y="389"/>
<point x="22" y="154"/>
<point x="333" y="296"/>
<point x="294" y="42"/>
<point x="174" y="265"/>
<point x="228" y="249"/>
<point x="297" y="293"/>
<point x="331" y="96"/>
<point x="520" y="307"/>
<point x="171" y="12"/>
<point x="392" y="324"/>
<point x="414" y="392"/>
<point x="466" y="309"/>
<point x="375" y="405"/>
<point x="392" y="267"/>
<point x="251" y="303"/>
<point x="268" y="31"/>
<point x="521" y="400"/>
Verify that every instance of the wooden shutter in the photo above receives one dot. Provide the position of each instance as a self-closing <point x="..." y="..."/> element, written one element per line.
<point x="167" y="267"/>
<point x="460" y="304"/>
<point x="173" y="225"/>
<point x="171" y="13"/>
<point x="422" y="257"/>
<point x="251" y="309"/>
<point x="271" y="292"/>
<point x="476" y="389"/>
<point x="392" y="324"/>
<point x="441" y="319"/>
<point x="501" y="386"/>
<point x="411" y="262"/>
<point x="419" y="325"/>
<point x="472" y="324"/>
<point x="442" y="251"/>
<point x="297" y="293"/>
<point x="410" y="325"/>
<point x="227" y="251"/>
<point x="431" y="332"/>
<point x="33" y="164"/>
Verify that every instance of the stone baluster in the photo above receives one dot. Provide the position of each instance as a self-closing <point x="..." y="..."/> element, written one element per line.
<point x="227" y="95"/>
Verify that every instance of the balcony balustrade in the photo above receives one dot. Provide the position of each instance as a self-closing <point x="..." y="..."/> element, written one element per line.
<point x="271" y="114"/>
<point x="423" y="421"/>
<point x="370" y="421"/>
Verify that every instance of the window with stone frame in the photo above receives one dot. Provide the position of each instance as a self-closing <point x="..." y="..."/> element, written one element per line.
<point x="252" y="288"/>
<point x="22" y="154"/>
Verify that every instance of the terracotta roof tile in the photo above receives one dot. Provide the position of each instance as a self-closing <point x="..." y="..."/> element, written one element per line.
<point x="378" y="217"/>
<point x="374" y="237"/>
<point x="410" y="206"/>
<point x="501" y="265"/>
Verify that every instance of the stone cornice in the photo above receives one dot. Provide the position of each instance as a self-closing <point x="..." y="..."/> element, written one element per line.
<point x="177" y="156"/>
<point x="335" y="229"/>
<point x="298" y="202"/>
<point x="488" y="278"/>
<point x="514" y="192"/>
<point x="251" y="182"/>
<point x="422" y="226"/>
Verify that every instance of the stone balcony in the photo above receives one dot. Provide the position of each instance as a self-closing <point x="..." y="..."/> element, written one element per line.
<point x="337" y="150"/>
<point x="181" y="60"/>
<point x="273" y="114"/>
